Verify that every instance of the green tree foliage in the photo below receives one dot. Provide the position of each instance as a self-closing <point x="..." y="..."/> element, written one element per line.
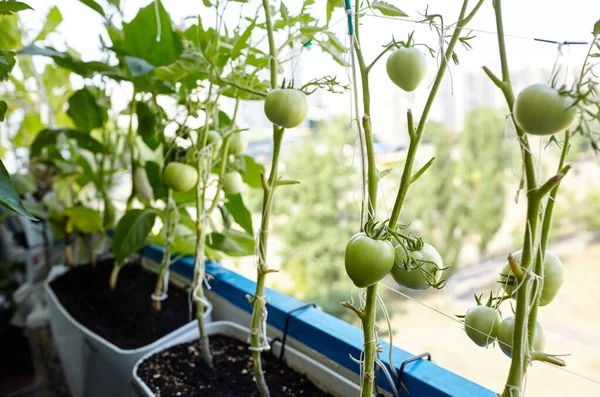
<point x="318" y="216"/>
<point x="464" y="196"/>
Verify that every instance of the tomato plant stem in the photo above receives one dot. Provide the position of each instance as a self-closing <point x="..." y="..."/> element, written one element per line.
<point x="114" y="276"/>
<point x="131" y="146"/>
<point x="158" y="289"/>
<point x="415" y="135"/>
<point x="258" y="301"/>
<point x="520" y="352"/>
<point x="540" y="254"/>
<point x="370" y="341"/>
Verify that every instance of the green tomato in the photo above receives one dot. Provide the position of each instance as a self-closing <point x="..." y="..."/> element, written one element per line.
<point x="541" y="110"/>
<point x="554" y="276"/>
<point x="507" y="329"/>
<point x="407" y="67"/>
<point x="368" y="261"/>
<point x="481" y="324"/>
<point x="429" y="263"/>
<point x="237" y="144"/>
<point x="232" y="182"/>
<point x="142" y="184"/>
<point x="180" y="177"/>
<point x="214" y="138"/>
<point x="286" y="107"/>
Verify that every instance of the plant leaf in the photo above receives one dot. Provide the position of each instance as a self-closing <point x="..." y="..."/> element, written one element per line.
<point x="53" y="19"/>
<point x="388" y="9"/>
<point x="138" y="66"/>
<point x="94" y="6"/>
<point x="243" y="41"/>
<point x="10" y="7"/>
<point x="85" y="111"/>
<point x="331" y="5"/>
<point x="8" y="196"/>
<point x="232" y="242"/>
<point x="237" y="209"/>
<point x="131" y="232"/>
<point x="48" y="137"/>
<point x="3" y="108"/>
<point x="140" y="36"/>
<point x="82" y="219"/>
<point x="251" y="176"/>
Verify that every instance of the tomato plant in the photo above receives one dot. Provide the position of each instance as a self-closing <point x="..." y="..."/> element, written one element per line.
<point x="418" y="269"/>
<point x="367" y="260"/>
<point x="180" y="177"/>
<point x="542" y="110"/>
<point x="286" y="107"/>
<point x="407" y="67"/>
<point x="554" y="276"/>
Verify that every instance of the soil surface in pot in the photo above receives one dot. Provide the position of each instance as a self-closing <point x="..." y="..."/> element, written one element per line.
<point x="124" y="316"/>
<point x="180" y="371"/>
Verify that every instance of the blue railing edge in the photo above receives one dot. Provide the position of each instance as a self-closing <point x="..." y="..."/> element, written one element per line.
<point x="326" y="334"/>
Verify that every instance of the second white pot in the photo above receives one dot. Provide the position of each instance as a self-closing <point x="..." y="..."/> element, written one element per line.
<point x="323" y="377"/>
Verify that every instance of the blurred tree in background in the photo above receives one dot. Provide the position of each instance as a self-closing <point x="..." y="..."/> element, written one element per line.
<point x="317" y="217"/>
<point x="463" y="199"/>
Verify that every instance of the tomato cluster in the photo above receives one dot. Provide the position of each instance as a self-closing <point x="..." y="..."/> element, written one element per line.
<point x="484" y="324"/>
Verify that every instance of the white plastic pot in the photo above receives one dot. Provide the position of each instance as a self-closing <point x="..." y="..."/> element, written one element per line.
<point x="93" y="366"/>
<point x="321" y="376"/>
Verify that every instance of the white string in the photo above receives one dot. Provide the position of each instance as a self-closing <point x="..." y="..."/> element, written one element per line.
<point x="261" y="331"/>
<point x="389" y="324"/>
<point x="158" y="24"/>
<point x="426" y="22"/>
<point x="364" y="206"/>
<point x="388" y="376"/>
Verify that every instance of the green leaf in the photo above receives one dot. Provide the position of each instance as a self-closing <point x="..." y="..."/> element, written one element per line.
<point x="155" y="178"/>
<point x="596" y="31"/>
<point x="53" y="19"/>
<point x="251" y="175"/>
<point x="9" y="7"/>
<point x="231" y="242"/>
<point x="82" y="219"/>
<point x="332" y="49"/>
<point x="190" y="63"/>
<point x="138" y="66"/>
<point x="48" y="137"/>
<point x="8" y="196"/>
<point x="28" y="130"/>
<point x="147" y="125"/>
<point x="7" y="62"/>
<point x="140" y="36"/>
<point x="388" y="9"/>
<point x="237" y="209"/>
<point x="131" y="232"/>
<point x="87" y="172"/>
<point x="3" y="108"/>
<point x="331" y="5"/>
<point x="65" y="60"/>
<point x="243" y="41"/>
<point x="85" y="111"/>
<point x="94" y="6"/>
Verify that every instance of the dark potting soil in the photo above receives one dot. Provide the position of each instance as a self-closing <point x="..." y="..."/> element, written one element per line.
<point x="124" y="316"/>
<point x="180" y="371"/>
